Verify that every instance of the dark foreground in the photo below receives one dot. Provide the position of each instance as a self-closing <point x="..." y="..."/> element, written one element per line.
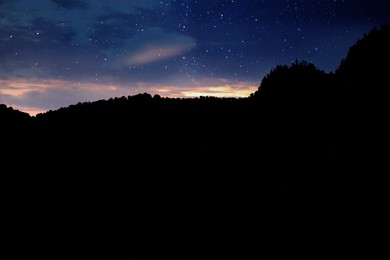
<point x="306" y="151"/>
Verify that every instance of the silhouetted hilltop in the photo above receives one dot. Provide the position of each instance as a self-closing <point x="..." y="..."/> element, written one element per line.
<point x="10" y="115"/>
<point x="295" y="91"/>
<point x="287" y="84"/>
<point x="363" y="98"/>
<point x="146" y="122"/>
<point x="364" y="71"/>
<point x="136" y="106"/>
<point x="13" y="121"/>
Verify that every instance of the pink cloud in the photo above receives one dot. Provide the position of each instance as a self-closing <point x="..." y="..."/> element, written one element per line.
<point x="155" y="53"/>
<point x="153" y="44"/>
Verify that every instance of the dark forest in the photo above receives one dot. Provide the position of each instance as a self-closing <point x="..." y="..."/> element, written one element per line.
<point x="305" y="141"/>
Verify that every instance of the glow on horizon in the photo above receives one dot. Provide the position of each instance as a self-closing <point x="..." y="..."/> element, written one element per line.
<point x="35" y="96"/>
<point x="222" y="91"/>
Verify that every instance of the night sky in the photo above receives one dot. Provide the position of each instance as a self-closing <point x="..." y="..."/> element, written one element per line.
<point x="54" y="53"/>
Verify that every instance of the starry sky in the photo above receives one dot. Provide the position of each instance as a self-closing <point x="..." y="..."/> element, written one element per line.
<point x="54" y="53"/>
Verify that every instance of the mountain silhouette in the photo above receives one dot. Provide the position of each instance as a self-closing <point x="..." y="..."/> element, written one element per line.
<point x="363" y="96"/>
<point x="298" y="143"/>
<point x="363" y="72"/>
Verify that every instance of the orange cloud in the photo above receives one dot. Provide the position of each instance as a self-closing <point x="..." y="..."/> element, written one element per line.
<point x="39" y="95"/>
<point x="36" y="96"/>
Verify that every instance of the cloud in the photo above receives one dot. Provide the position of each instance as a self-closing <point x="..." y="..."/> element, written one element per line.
<point x="33" y="96"/>
<point x="155" y="53"/>
<point x="79" y="15"/>
<point x="37" y="96"/>
<point x="81" y="39"/>
<point x="153" y="45"/>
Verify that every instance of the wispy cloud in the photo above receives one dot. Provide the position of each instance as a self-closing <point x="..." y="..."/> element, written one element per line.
<point x="154" y="53"/>
<point x="154" y="44"/>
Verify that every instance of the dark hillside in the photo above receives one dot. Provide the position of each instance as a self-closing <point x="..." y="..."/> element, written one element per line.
<point x="364" y="99"/>
<point x="299" y="144"/>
